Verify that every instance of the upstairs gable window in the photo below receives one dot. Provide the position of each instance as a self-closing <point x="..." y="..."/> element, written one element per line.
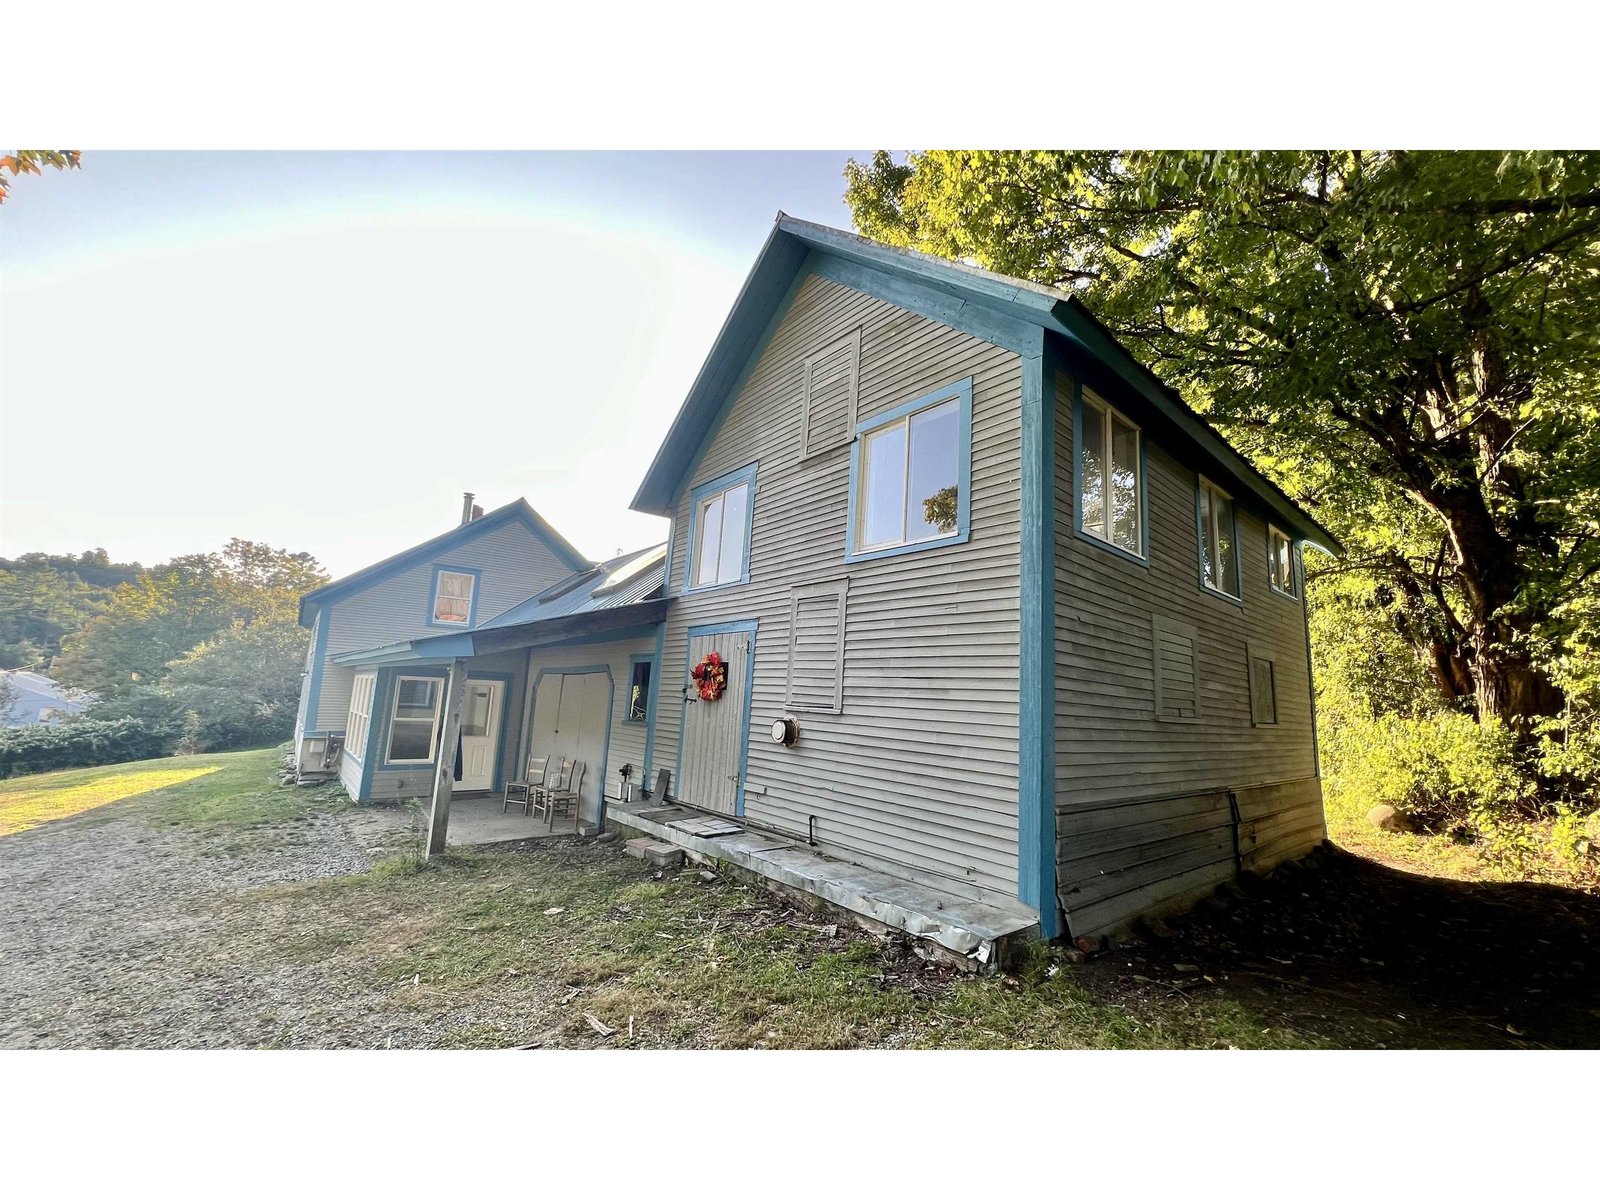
<point x="719" y="533"/>
<point x="454" y="596"/>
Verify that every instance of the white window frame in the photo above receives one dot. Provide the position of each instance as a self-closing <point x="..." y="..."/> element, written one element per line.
<point x="1104" y="534"/>
<point x="359" y="722"/>
<point x="1274" y="536"/>
<point x="472" y="598"/>
<point x="858" y="549"/>
<point x="1204" y="486"/>
<point x="701" y="500"/>
<point x="395" y="718"/>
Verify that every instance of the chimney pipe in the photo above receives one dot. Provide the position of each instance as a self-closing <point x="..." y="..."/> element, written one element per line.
<point x="466" y="507"/>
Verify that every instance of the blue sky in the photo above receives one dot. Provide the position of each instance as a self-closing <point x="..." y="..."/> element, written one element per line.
<point x="323" y="350"/>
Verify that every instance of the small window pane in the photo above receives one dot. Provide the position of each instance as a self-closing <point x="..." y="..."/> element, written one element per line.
<point x="705" y="563"/>
<point x="639" y="692"/>
<point x="411" y="741"/>
<point x="477" y="711"/>
<point x="933" y="496"/>
<point x="1208" y="558"/>
<point x="452" y="600"/>
<point x="1091" y="488"/>
<point x="415" y="698"/>
<point x="1125" y="487"/>
<point x="735" y="509"/>
<point x="1227" y="558"/>
<point x="883" y="515"/>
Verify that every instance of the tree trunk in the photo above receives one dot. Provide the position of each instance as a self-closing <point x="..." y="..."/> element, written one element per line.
<point x="1511" y="689"/>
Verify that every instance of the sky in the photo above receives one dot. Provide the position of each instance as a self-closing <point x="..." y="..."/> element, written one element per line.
<point x="322" y="351"/>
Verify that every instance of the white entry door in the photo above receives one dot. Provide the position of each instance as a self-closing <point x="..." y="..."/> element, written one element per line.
<point x="570" y="720"/>
<point x="481" y="716"/>
<point x="714" y="731"/>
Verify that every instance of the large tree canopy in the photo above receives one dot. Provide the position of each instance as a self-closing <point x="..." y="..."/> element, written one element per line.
<point x="1408" y="342"/>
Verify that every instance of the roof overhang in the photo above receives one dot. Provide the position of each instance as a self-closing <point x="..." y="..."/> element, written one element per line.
<point x="1001" y="309"/>
<point x="604" y="624"/>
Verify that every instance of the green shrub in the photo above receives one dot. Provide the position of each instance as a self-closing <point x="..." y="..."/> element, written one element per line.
<point x="82" y="743"/>
<point x="1445" y="772"/>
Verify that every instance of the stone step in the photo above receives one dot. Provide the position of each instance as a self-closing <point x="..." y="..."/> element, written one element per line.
<point x="657" y="854"/>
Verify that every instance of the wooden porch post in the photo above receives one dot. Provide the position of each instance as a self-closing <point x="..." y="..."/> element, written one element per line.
<point x="445" y="770"/>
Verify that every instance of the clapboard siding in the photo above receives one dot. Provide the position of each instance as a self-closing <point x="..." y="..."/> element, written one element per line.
<point x="919" y="770"/>
<point x="514" y="563"/>
<point x="627" y="738"/>
<point x="1164" y="784"/>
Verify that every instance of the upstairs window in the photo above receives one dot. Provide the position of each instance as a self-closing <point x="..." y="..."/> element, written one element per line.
<point x="1219" y="541"/>
<point x="1110" y="477"/>
<point x="1280" y="563"/>
<point x="454" y="596"/>
<point x="911" y="475"/>
<point x="416" y="719"/>
<point x="719" y="530"/>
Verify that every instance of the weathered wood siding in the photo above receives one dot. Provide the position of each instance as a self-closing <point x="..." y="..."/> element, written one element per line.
<point x="918" y="773"/>
<point x="627" y="738"/>
<point x="515" y="565"/>
<point x="1143" y="813"/>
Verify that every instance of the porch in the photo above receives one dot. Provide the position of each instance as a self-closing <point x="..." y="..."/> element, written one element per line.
<point x="973" y="935"/>
<point x="476" y="819"/>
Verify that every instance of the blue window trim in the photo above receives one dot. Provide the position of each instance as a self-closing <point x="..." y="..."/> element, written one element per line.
<point x="627" y="701"/>
<point x="391" y="688"/>
<point x="1143" y="557"/>
<point x="745" y="474"/>
<point x="433" y="596"/>
<point x="962" y="391"/>
<point x="690" y="634"/>
<point x="611" y="716"/>
<point x="1200" y="563"/>
<point x="655" y="705"/>
<point x="1294" y="564"/>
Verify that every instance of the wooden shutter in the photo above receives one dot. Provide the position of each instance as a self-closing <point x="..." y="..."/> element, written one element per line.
<point x="1263" y="690"/>
<point x="1176" y="650"/>
<point x="816" y="648"/>
<point x="832" y="380"/>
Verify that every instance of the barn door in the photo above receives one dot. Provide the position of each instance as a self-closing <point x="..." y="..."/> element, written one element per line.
<point x="570" y="721"/>
<point x="714" y="732"/>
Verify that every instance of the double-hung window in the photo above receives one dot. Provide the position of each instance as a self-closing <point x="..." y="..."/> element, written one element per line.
<point x="1219" y="540"/>
<point x="454" y="596"/>
<point x="355" y="728"/>
<point x="720" y="530"/>
<point x="415" y="721"/>
<point x="1280" y="563"/>
<point x="1110" y="477"/>
<point x="912" y="475"/>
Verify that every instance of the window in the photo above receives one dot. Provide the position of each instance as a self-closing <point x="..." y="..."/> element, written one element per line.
<point x="1175" y="650"/>
<point x="1219" y="540"/>
<point x="816" y="648"/>
<point x="454" y="596"/>
<point x="355" y="729"/>
<point x="415" y="721"/>
<point x="1110" y="477"/>
<point x="1263" y="689"/>
<point x="639" y="672"/>
<point x="719" y="530"/>
<point x="1280" y="563"/>
<point x="911" y="475"/>
<point x="832" y="379"/>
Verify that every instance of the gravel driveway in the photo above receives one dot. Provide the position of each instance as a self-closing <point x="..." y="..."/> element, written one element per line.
<point x="119" y="932"/>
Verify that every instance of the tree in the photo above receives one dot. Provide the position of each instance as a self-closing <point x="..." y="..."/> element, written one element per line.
<point x="8" y="698"/>
<point x="242" y="687"/>
<point x="31" y="162"/>
<point x="1406" y="342"/>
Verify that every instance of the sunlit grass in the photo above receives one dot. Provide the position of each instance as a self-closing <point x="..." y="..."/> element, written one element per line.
<point x="36" y="799"/>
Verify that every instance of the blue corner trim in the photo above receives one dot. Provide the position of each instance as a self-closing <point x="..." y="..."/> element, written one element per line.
<point x="611" y="717"/>
<point x="745" y="474"/>
<point x="1143" y="557"/>
<point x="655" y="705"/>
<point x="433" y="596"/>
<point x="666" y="566"/>
<point x="694" y="631"/>
<point x="1200" y="544"/>
<point x="961" y="390"/>
<point x="319" y="651"/>
<point x="1036" y="809"/>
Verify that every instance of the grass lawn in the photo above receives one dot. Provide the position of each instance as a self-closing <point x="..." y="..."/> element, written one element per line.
<point x="202" y="788"/>
<point x="569" y="943"/>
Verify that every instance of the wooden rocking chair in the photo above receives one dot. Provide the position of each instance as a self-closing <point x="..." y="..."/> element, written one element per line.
<point x="525" y="791"/>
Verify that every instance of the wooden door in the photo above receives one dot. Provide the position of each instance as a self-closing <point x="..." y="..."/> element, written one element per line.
<point x="480" y="733"/>
<point x="570" y="720"/>
<point x="714" y="732"/>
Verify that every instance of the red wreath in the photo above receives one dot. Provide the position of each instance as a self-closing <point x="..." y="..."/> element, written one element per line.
<point x="710" y="676"/>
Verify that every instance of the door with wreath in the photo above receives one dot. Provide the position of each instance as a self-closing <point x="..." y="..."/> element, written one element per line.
<point x="714" y="714"/>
